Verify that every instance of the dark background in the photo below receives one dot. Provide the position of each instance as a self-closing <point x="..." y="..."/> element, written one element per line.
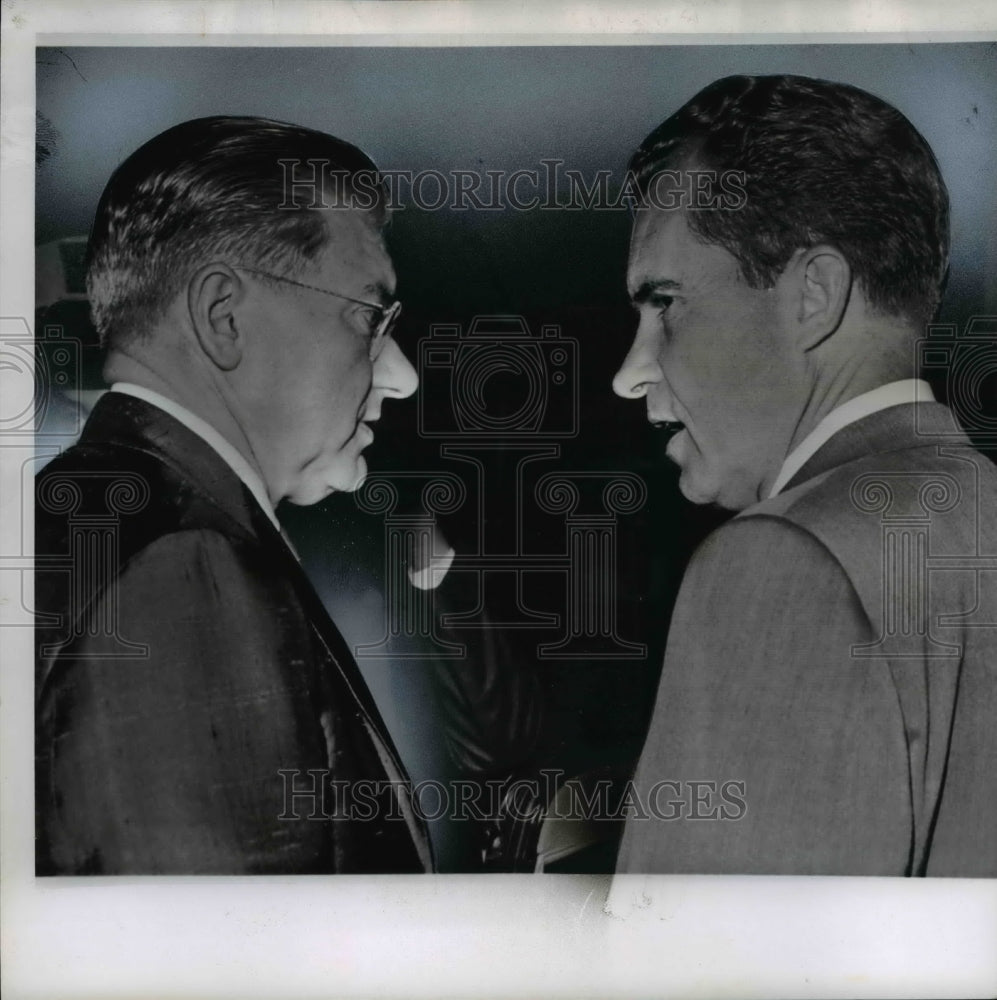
<point x="501" y="108"/>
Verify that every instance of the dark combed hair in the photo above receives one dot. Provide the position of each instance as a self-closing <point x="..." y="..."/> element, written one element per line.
<point x="213" y="188"/>
<point x="822" y="162"/>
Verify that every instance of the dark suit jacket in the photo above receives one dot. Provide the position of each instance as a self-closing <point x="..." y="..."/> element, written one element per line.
<point x="189" y="679"/>
<point x="833" y="653"/>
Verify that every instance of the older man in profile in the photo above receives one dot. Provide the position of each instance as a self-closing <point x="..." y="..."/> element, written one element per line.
<point x="813" y="660"/>
<point x="197" y="710"/>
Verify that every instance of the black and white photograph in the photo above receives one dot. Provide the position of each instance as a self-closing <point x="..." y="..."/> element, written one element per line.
<point x="559" y="468"/>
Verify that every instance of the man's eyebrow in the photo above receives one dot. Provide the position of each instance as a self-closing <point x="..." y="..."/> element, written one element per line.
<point x="648" y="289"/>
<point x="378" y="291"/>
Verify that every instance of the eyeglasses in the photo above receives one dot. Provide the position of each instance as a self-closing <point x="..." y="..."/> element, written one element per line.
<point x="389" y="314"/>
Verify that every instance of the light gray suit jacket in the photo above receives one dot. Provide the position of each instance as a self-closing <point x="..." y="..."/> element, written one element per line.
<point x="828" y="702"/>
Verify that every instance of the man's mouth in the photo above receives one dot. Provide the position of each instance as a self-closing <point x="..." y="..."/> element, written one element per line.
<point x="666" y="438"/>
<point x="667" y="427"/>
<point x="367" y="416"/>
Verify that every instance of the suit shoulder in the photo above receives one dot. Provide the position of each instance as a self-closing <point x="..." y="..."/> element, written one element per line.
<point x="760" y="535"/>
<point x="922" y="479"/>
<point x="932" y="498"/>
<point x="760" y="559"/>
<point x="182" y="544"/>
<point x="767" y="544"/>
<point x="135" y="490"/>
<point x="193" y="596"/>
<point x="203" y="560"/>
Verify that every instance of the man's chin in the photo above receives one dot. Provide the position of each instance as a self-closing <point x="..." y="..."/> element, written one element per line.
<point x="722" y="495"/>
<point x="695" y="492"/>
<point x="360" y="476"/>
<point x="695" y="483"/>
<point x="350" y="481"/>
<point x="339" y="480"/>
<point x="706" y="491"/>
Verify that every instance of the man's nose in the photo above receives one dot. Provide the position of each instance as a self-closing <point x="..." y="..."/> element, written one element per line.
<point x="640" y="369"/>
<point x="393" y="372"/>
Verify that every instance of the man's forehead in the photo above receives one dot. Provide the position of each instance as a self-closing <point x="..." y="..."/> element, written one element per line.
<point x="655" y="243"/>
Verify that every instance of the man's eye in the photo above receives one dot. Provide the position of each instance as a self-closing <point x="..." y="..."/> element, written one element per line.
<point x="662" y="302"/>
<point x="370" y="318"/>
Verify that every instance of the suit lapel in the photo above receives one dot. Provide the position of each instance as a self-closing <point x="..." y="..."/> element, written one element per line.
<point x="342" y="659"/>
<point x="331" y="637"/>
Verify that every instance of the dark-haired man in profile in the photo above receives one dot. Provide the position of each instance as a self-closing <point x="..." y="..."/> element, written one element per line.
<point x="188" y="675"/>
<point x="848" y="694"/>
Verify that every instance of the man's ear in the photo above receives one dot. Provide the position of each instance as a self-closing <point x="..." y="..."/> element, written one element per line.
<point x="823" y="280"/>
<point x="213" y="295"/>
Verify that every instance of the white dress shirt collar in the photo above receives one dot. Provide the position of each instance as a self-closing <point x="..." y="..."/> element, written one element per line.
<point x="909" y="390"/>
<point x="229" y="454"/>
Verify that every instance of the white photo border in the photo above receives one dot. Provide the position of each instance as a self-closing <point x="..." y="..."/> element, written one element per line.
<point x="442" y="936"/>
